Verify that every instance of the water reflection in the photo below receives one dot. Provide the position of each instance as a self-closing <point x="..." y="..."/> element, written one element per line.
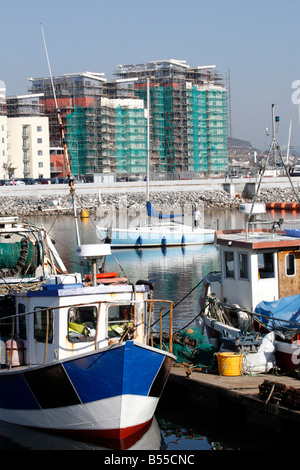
<point x="175" y="272"/>
<point x="13" y="437"/>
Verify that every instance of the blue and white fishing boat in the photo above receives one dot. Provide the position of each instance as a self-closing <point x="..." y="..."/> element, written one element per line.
<point x="76" y="351"/>
<point x="77" y="359"/>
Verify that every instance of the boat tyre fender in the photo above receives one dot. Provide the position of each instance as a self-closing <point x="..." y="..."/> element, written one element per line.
<point x="164" y="241"/>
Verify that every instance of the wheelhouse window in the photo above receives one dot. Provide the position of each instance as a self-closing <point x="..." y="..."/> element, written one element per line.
<point x="119" y="317"/>
<point x="22" y="322"/>
<point x="243" y="265"/>
<point x="43" y="324"/>
<point x="82" y="323"/>
<point x="290" y="264"/>
<point x="265" y="265"/>
<point x="229" y="264"/>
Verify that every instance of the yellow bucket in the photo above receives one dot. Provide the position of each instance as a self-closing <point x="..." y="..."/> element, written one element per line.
<point x="229" y="363"/>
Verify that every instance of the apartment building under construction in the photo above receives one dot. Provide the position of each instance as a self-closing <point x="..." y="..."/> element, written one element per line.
<point x="106" y="120"/>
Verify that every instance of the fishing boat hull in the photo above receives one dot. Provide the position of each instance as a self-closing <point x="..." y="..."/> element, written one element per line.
<point x="108" y="396"/>
<point x="157" y="236"/>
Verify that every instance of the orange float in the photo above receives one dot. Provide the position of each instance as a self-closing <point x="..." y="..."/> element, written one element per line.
<point x="89" y="277"/>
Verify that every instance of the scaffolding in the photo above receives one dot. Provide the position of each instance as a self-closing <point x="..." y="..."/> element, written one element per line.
<point x="78" y="98"/>
<point x="124" y="136"/>
<point x="188" y="115"/>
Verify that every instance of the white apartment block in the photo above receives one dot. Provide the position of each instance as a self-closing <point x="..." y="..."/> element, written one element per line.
<point x="28" y="147"/>
<point x="3" y="147"/>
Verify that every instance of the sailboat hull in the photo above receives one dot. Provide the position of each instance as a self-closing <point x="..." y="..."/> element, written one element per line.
<point x="108" y="395"/>
<point x="158" y="236"/>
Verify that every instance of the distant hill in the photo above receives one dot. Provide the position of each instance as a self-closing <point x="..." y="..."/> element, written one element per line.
<point x="241" y="151"/>
<point x="238" y="143"/>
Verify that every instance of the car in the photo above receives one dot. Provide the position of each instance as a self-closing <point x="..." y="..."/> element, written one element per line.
<point x="19" y="182"/>
<point x="44" y="181"/>
<point x="29" y="181"/>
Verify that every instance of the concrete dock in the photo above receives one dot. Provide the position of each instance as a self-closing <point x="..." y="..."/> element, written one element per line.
<point x="232" y="407"/>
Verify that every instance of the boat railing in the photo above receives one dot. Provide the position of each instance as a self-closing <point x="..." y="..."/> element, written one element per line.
<point x="149" y="305"/>
<point x="169" y="307"/>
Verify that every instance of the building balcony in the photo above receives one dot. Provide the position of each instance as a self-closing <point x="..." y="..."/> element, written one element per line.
<point x="56" y="169"/>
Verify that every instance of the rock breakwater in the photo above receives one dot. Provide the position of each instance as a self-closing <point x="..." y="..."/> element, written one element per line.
<point x="40" y="205"/>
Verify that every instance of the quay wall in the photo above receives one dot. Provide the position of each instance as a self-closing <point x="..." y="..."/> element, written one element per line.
<point x="208" y="193"/>
<point x="212" y="184"/>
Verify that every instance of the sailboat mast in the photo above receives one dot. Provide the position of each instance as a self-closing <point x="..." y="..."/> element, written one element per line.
<point x="289" y="143"/>
<point x="148" y="143"/>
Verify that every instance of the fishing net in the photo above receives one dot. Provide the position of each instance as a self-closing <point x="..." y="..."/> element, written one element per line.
<point x="192" y="348"/>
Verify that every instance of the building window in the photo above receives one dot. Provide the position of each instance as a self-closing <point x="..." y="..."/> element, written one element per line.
<point x="43" y="324"/>
<point x="82" y="324"/>
<point x="40" y="164"/>
<point x="243" y="265"/>
<point x="39" y="128"/>
<point x="229" y="264"/>
<point x="40" y="153"/>
<point x="119" y="316"/>
<point x="265" y="265"/>
<point x="39" y="140"/>
<point x="290" y="264"/>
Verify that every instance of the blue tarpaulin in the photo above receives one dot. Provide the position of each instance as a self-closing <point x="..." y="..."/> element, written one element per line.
<point x="281" y="315"/>
<point x="294" y="232"/>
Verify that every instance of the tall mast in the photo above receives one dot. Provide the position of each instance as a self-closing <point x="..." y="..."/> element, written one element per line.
<point x="273" y="148"/>
<point x="148" y="142"/>
<point x="64" y="143"/>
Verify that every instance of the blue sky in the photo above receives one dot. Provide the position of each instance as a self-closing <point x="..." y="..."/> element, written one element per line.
<point x="258" y="41"/>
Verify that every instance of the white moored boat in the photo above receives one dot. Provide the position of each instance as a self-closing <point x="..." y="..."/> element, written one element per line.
<point x="257" y="288"/>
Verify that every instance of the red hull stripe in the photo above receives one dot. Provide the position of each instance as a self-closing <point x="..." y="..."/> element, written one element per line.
<point x="116" y="439"/>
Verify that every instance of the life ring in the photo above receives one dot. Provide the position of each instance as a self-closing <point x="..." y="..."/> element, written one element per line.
<point x="89" y="277"/>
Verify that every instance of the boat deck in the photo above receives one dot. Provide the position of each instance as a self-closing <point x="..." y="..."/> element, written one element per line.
<point x="259" y="239"/>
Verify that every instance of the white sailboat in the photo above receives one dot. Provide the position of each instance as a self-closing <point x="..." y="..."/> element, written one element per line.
<point x="167" y="233"/>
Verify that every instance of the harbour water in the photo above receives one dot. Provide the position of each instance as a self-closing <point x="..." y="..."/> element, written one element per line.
<point x="175" y="273"/>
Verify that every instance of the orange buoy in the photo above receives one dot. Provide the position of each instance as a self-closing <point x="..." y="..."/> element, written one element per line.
<point x="284" y="206"/>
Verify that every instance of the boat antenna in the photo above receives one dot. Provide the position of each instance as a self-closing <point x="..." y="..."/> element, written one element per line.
<point x="272" y="149"/>
<point x="64" y="143"/>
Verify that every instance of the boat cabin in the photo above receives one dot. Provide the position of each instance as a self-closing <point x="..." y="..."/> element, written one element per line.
<point x="257" y="264"/>
<point x="65" y="318"/>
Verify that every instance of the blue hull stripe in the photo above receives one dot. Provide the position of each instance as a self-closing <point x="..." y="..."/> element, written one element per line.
<point x="128" y="369"/>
